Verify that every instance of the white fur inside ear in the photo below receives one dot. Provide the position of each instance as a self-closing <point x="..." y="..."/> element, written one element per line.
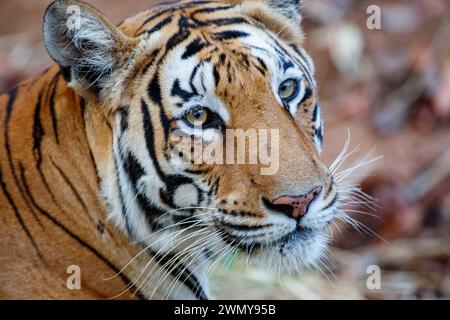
<point x="95" y="42"/>
<point x="87" y="47"/>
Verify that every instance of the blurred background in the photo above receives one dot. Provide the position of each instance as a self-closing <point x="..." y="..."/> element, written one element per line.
<point x="390" y="88"/>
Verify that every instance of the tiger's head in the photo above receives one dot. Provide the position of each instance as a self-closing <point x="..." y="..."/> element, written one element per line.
<point x="179" y="78"/>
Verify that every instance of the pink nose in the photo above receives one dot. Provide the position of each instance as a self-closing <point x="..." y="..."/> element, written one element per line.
<point x="298" y="204"/>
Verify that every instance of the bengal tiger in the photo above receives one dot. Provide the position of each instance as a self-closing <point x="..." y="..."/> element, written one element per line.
<point x="88" y="180"/>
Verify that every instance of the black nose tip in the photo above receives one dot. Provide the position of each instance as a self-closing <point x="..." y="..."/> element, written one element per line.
<point x="293" y="206"/>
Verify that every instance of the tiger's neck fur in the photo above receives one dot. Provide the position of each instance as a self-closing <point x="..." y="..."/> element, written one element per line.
<point x="52" y="214"/>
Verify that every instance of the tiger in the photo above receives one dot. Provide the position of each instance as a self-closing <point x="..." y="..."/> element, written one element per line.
<point x="97" y="201"/>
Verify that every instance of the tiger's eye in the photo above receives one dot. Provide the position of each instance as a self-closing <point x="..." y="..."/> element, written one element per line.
<point x="197" y="116"/>
<point x="288" y="90"/>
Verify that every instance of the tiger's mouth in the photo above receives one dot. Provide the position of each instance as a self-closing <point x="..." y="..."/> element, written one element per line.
<point x="300" y="233"/>
<point x="302" y="247"/>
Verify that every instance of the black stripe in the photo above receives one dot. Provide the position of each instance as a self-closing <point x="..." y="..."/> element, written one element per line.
<point x="38" y="131"/>
<point x="192" y="78"/>
<point x="286" y="64"/>
<point x="297" y="50"/>
<point x="73" y="189"/>
<point x="66" y="73"/>
<point x="182" y="34"/>
<point x="174" y="181"/>
<point x="216" y="76"/>
<point x="166" y="125"/>
<point x="320" y="134"/>
<point x="243" y="227"/>
<point x="75" y="237"/>
<point x="9" y="108"/>
<point x="152" y="213"/>
<point x="197" y="172"/>
<point x="171" y="182"/>
<point x="211" y="10"/>
<point x="202" y="81"/>
<point x="238" y="242"/>
<point x="133" y="169"/>
<point x="262" y="63"/>
<point x="173" y="9"/>
<point x="315" y="112"/>
<point x="154" y="90"/>
<point x="129" y="166"/>
<point x="158" y="26"/>
<point x="216" y="185"/>
<point x="151" y="60"/>
<point x="330" y="187"/>
<point x="263" y="50"/>
<point x="54" y="86"/>
<point x="221" y="22"/>
<point x="230" y="34"/>
<point x="18" y="216"/>
<point x="245" y="60"/>
<point x="283" y="52"/>
<point x="307" y="95"/>
<point x="150" y="140"/>
<point x="124" y="118"/>
<point x="121" y="199"/>
<point x="239" y="213"/>
<point x="177" y="91"/>
<point x="262" y="68"/>
<point x="331" y="203"/>
<point x="222" y="58"/>
<point x="193" y="48"/>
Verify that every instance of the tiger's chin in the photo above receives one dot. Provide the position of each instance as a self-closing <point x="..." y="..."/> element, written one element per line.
<point x="298" y="250"/>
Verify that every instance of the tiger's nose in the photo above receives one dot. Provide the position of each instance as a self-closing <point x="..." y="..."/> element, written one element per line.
<point x="296" y="206"/>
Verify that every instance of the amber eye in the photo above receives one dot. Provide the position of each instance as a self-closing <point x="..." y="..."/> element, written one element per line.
<point x="288" y="90"/>
<point x="197" y="116"/>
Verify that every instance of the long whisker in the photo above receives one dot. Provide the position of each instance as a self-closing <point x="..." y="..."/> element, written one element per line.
<point x="359" y="225"/>
<point x="197" y="253"/>
<point x="152" y="235"/>
<point x="147" y="265"/>
<point x="185" y="221"/>
<point x="174" y="261"/>
<point x="196" y="257"/>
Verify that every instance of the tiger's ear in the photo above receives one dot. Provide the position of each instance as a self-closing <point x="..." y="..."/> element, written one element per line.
<point x="84" y="43"/>
<point x="288" y="8"/>
<point x="283" y="17"/>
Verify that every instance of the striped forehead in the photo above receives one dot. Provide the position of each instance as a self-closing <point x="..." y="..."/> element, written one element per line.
<point x="187" y="72"/>
<point x="277" y="55"/>
<point x="181" y="20"/>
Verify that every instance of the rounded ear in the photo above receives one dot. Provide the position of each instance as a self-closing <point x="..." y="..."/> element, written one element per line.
<point x="86" y="45"/>
<point x="283" y="17"/>
<point x="288" y="8"/>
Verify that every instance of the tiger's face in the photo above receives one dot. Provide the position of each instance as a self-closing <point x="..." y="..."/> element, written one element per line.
<point x="181" y="78"/>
